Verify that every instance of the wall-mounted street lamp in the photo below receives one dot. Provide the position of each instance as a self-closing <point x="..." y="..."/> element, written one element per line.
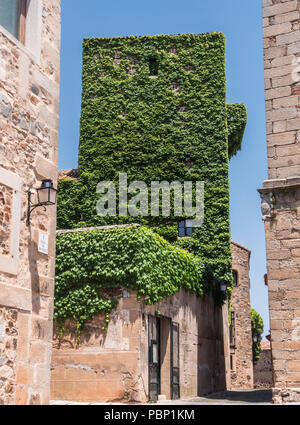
<point x="46" y="195"/>
<point x="223" y="286"/>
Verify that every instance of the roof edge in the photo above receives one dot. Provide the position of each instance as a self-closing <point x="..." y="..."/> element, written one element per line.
<point x="149" y="36"/>
<point x="241" y="246"/>
<point x="86" y="229"/>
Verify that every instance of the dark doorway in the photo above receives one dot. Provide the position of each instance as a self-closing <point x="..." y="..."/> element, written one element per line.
<point x="175" y="378"/>
<point x="154" y="357"/>
<point x="163" y="345"/>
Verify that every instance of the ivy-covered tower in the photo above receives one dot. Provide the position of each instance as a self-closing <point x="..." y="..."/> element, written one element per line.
<point x="155" y="108"/>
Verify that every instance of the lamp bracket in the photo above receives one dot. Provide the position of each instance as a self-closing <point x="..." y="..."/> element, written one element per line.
<point x="31" y="207"/>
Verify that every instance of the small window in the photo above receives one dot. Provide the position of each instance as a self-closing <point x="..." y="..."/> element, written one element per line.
<point x="235" y="277"/>
<point x="153" y="67"/>
<point x="12" y="17"/>
<point x="231" y="362"/>
<point x="185" y="228"/>
<point x="232" y="330"/>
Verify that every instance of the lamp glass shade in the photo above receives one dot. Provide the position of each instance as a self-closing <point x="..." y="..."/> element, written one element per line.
<point x="43" y="195"/>
<point x="223" y="287"/>
<point x="52" y="196"/>
<point x="46" y="193"/>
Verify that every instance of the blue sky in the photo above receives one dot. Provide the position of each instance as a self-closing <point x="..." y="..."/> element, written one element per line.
<point x="241" y="22"/>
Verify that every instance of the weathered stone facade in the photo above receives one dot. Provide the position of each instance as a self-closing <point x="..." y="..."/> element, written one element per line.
<point x="241" y="335"/>
<point x="29" y="102"/>
<point x="281" y="193"/>
<point x="8" y="354"/>
<point x="263" y="378"/>
<point x="112" y="365"/>
<point x="6" y="199"/>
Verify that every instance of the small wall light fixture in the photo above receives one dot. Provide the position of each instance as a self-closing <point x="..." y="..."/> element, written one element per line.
<point x="46" y="195"/>
<point x="223" y="286"/>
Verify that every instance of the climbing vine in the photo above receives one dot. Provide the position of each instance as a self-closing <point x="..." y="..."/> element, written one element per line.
<point x="236" y="119"/>
<point x="257" y="325"/>
<point x="154" y="108"/>
<point x="134" y="257"/>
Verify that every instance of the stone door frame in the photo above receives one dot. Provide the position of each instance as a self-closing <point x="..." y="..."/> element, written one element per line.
<point x="9" y="263"/>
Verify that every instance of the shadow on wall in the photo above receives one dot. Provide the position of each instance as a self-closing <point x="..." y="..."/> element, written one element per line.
<point x="34" y="274"/>
<point x="201" y="341"/>
<point x="211" y="358"/>
<point x="256" y="396"/>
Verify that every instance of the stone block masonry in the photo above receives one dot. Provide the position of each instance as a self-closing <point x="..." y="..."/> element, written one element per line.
<point x="281" y="193"/>
<point x="8" y="354"/>
<point x="263" y="368"/>
<point x="6" y="197"/>
<point x="241" y="343"/>
<point x="29" y="107"/>
<point x="113" y="365"/>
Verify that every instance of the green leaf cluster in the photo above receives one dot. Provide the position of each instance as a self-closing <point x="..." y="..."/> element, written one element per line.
<point x="133" y="257"/>
<point x="236" y="120"/>
<point x="257" y="326"/>
<point x="173" y="126"/>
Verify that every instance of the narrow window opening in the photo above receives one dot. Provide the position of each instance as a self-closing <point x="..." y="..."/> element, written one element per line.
<point x="153" y="67"/>
<point x="232" y="330"/>
<point x="235" y="277"/>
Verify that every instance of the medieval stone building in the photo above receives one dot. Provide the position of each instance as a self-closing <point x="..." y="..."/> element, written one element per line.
<point x="112" y="365"/>
<point x="240" y="335"/>
<point x="29" y="101"/>
<point x="193" y="338"/>
<point x="176" y="348"/>
<point x="153" y="109"/>
<point x="281" y="192"/>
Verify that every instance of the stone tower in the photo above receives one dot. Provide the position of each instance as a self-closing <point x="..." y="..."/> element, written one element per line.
<point x="281" y="192"/>
<point x="29" y="101"/>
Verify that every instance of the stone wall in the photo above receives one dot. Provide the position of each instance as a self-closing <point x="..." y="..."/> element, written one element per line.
<point x="203" y="330"/>
<point x="29" y="103"/>
<point x="112" y="365"/>
<point x="8" y="354"/>
<point x="281" y="193"/>
<point x="263" y="368"/>
<point x="241" y="349"/>
<point x="6" y="199"/>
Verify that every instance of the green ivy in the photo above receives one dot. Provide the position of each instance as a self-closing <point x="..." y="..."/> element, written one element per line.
<point x="236" y="119"/>
<point x="257" y="325"/>
<point x="170" y="233"/>
<point x="133" y="257"/>
<point x="173" y="126"/>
